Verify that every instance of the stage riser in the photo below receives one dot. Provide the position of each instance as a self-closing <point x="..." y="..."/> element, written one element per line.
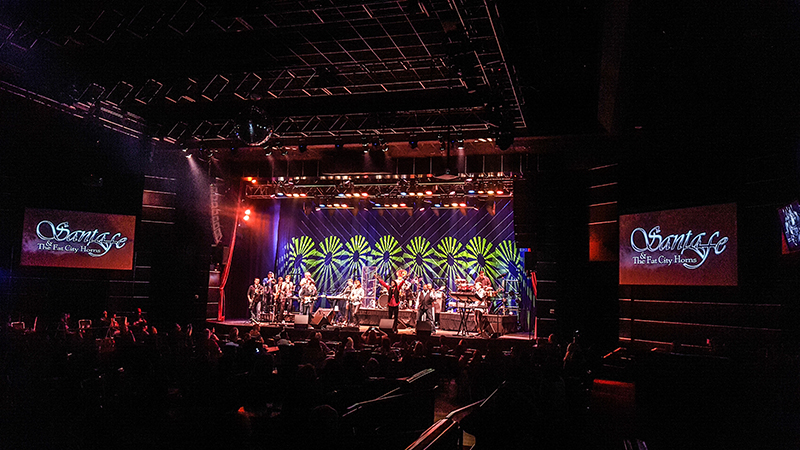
<point x="372" y="317"/>
<point x="500" y="324"/>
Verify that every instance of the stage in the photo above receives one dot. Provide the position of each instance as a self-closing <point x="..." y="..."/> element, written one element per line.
<point x="337" y="333"/>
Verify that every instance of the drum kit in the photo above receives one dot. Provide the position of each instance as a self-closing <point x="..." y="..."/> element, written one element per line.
<point x="496" y="302"/>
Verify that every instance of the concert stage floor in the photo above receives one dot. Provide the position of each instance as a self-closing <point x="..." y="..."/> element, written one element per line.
<point x="329" y="332"/>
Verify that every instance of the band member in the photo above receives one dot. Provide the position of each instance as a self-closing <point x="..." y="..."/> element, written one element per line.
<point x="393" y="291"/>
<point x="425" y="304"/>
<point x="479" y="290"/>
<point x="481" y="306"/>
<point x="341" y="314"/>
<point x="348" y="289"/>
<point x="483" y="280"/>
<point x="354" y="302"/>
<point x="276" y="295"/>
<point x="405" y="282"/>
<point x="268" y="284"/>
<point x="401" y="276"/>
<point x="308" y="295"/>
<point x="306" y="279"/>
<point x="255" y="294"/>
<point x="287" y="292"/>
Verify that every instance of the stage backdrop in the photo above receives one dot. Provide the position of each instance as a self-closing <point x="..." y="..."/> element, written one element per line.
<point x="438" y="245"/>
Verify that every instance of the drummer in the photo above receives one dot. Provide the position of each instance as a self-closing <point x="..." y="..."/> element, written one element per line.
<point x="483" y="280"/>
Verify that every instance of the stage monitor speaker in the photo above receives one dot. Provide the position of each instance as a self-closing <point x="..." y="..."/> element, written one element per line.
<point x="320" y="319"/>
<point x="424" y="328"/>
<point x="486" y="326"/>
<point x="386" y="325"/>
<point x="300" y="321"/>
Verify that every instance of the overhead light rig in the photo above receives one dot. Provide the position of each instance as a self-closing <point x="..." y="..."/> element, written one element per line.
<point x="385" y="191"/>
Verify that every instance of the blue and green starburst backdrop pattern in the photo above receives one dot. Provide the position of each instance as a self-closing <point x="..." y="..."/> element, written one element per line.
<point x="357" y="254"/>
<point x="420" y="258"/>
<point x="297" y="255"/>
<point x="438" y="246"/>
<point x="387" y="255"/>
<point x="329" y="263"/>
<point x="450" y="256"/>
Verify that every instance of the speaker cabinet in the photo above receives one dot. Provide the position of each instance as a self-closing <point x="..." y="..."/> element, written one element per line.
<point x="319" y="320"/>
<point x="300" y="321"/>
<point x="424" y="329"/>
<point x="386" y="325"/>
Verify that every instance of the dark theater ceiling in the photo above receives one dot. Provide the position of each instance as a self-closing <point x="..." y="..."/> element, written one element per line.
<point x="317" y="72"/>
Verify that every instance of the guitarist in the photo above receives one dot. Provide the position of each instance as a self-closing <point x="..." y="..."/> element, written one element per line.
<point x="308" y="295"/>
<point x="354" y="302"/>
<point x="255" y="293"/>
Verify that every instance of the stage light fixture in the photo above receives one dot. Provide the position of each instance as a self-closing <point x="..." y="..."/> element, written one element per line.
<point x="302" y="147"/>
<point x="412" y="141"/>
<point x="246" y="212"/>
